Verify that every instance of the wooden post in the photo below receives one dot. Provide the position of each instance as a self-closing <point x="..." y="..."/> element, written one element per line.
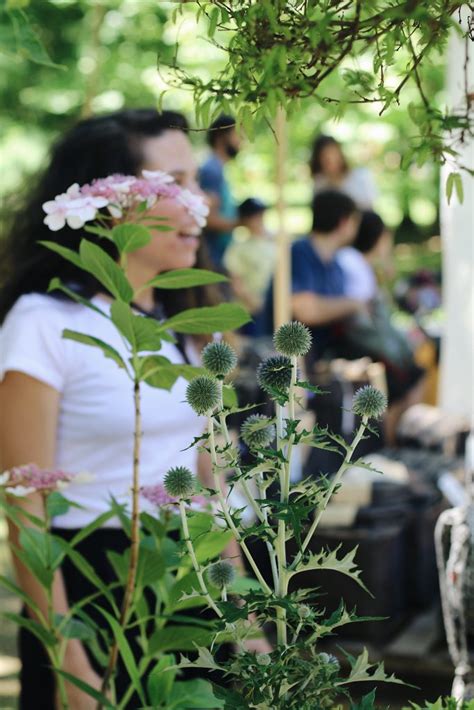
<point x="282" y="281"/>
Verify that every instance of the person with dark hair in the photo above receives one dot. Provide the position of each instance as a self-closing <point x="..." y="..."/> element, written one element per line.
<point x="370" y="332"/>
<point x="66" y="407"/>
<point x="224" y="142"/>
<point x="318" y="298"/>
<point x="330" y="169"/>
<point x="250" y="259"/>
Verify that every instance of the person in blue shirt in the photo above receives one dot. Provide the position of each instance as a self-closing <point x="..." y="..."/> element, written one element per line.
<point x="224" y="142"/>
<point x="317" y="279"/>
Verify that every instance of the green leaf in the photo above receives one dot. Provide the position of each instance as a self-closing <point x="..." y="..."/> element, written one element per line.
<point x="160" y="681"/>
<point x="211" y="544"/>
<point x="458" y="186"/>
<point x="68" y="254"/>
<point x="14" y="589"/>
<point x="158" y="371"/>
<point x="130" y="237"/>
<point x="366" y="703"/>
<point x="86" y="688"/>
<point x="72" y="628"/>
<point x="210" y="319"/>
<point x="186" y="278"/>
<point x="449" y="187"/>
<point x="56" y="504"/>
<point x="229" y="396"/>
<point x="126" y="653"/>
<point x="363" y="671"/>
<point x="143" y="333"/>
<point x="25" y="40"/>
<point x="108" y="350"/>
<point x="105" y="270"/>
<point x="45" y="636"/>
<point x="91" y="527"/>
<point x="190" y="694"/>
<point x="178" y="638"/>
<point x="328" y="560"/>
<point x="57" y="285"/>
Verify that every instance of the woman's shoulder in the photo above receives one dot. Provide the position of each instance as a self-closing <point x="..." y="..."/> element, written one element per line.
<point x="41" y="307"/>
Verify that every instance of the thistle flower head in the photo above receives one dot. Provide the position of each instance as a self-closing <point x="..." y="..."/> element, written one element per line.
<point x="257" y="431"/>
<point x="202" y="394"/>
<point x="369" y="402"/>
<point x="275" y="373"/>
<point x="292" y="338"/>
<point x="263" y="659"/>
<point x="219" y="359"/>
<point x="179" y="482"/>
<point x="221" y="574"/>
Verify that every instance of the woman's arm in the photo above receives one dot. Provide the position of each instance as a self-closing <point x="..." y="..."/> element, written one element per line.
<point x="28" y="427"/>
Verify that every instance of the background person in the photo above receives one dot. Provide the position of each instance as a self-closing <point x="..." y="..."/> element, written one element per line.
<point x="251" y="261"/>
<point x="331" y="170"/>
<point x="224" y="142"/>
<point x="64" y="406"/>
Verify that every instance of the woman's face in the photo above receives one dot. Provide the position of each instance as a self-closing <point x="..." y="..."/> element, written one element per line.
<point x="171" y="152"/>
<point x="332" y="161"/>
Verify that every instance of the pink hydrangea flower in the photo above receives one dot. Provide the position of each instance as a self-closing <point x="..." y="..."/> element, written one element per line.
<point x="158" y="496"/>
<point x="29" y="478"/>
<point x="119" y="194"/>
<point x="72" y="207"/>
<point x="196" y="206"/>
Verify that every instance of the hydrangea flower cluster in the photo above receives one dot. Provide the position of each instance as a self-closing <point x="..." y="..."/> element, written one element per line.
<point x="158" y="496"/>
<point x="23" y="480"/>
<point x="119" y="193"/>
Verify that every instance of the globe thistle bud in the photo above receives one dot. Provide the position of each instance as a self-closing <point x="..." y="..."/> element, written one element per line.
<point x="369" y="402"/>
<point x="304" y="611"/>
<point x="219" y="359"/>
<point x="203" y="394"/>
<point x="330" y="660"/>
<point x="292" y="339"/>
<point x="263" y="659"/>
<point x="179" y="482"/>
<point x="257" y="431"/>
<point x="274" y="373"/>
<point x="221" y="574"/>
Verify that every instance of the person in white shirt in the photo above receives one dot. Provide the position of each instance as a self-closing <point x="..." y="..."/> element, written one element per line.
<point x="63" y="405"/>
<point x="330" y="170"/>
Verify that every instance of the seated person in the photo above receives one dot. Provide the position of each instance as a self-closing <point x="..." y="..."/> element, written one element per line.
<point x="250" y="262"/>
<point x="371" y="331"/>
<point x="318" y="295"/>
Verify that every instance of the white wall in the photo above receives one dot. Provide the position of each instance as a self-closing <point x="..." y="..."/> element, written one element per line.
<point x="457" y="232"/>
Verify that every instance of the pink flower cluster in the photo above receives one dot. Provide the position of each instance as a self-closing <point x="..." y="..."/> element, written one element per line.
<point x="158" y="496"/>
<point x="29" y="478"/>
<point x="119" y="194"/>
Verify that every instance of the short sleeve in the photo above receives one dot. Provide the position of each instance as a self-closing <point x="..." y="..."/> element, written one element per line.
<point x="302" y="277"/>
<point x="31" y="341"/>
<point x="211" y="177"/>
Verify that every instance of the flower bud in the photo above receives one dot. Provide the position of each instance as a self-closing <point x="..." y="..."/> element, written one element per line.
<point x="263" y="659"/>
<point x="275" y="373"/>
<point x="304" y="611"/>
<point x="292" y="339"/>
<point x="219" y="359"/>
<point x="369" y="402"/>
<point x="221" y="574"/>
<point x="257" y="431"/>
<point x="203" y="394"/>
<point x="179" y="482"/>
<point x="330" y="660"/>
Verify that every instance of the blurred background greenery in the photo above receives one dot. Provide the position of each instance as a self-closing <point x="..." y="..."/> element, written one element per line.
<point x="114" y="53"/>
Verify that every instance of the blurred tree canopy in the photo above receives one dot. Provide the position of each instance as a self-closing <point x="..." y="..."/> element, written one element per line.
<point x="82" y="56"/>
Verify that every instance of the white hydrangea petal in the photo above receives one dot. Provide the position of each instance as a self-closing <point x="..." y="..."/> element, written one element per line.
<point x="55" y="221"/>
<point x="20" y="490"/>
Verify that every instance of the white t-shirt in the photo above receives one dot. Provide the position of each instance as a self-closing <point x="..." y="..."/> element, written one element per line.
<point x="358" y="184"/>
<point x="96" y="414"/>
<point x="359" y="278"/>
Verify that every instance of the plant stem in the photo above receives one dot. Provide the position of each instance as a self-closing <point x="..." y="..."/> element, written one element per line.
<point x="225" y="508"/>
<point x="335" y="482"/>
<point x="282" y="632"/>
<point x="196" y="565"/>
<point x="134" y="537"/>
